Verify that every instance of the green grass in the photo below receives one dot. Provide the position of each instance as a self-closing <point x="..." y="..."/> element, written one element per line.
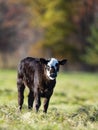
<point x="73" y="106"/>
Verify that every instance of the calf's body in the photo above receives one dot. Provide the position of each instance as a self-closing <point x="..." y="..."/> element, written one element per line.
<point x="39" y="75"/>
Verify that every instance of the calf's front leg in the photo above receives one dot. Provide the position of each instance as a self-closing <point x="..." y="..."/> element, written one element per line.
<point x="46" y="104"/>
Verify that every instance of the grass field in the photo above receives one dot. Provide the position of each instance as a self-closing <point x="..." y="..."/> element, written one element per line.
<point x="73" y="106"/>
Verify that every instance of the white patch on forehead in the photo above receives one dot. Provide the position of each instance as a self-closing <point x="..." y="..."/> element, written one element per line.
<point x="52" y="62"/>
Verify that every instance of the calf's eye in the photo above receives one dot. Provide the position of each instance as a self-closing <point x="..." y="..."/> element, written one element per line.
<point x="57" y="66"/>
<point x="47" y="67"/>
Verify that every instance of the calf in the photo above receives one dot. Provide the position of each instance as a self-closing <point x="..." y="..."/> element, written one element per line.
<point x="39" y="75"/>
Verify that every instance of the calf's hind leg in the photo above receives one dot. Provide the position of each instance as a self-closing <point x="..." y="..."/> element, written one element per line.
<point x="21" y="87"/>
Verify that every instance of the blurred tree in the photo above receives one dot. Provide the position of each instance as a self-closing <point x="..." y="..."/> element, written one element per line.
<point x="91" y="56"/>
<point x="65" y="25"/>
<point x="55" y="21"/>
<point x="12" y="23"/>
<point x="14" y="29"/>
<point x="59" y="27"/>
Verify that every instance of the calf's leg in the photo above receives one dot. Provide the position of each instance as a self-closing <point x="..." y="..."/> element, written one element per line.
<point x="37" y="102"/>
<point x="46" y="104"/>
<point x="21" y="87"/>
<point x="36" y="91"/>
<point x="30" y="99"/>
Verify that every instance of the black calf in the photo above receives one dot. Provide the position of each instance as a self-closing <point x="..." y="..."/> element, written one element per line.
<point x="39" y="75"/>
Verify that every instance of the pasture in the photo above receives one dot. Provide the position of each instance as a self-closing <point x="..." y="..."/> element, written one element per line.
<point x="73" y="106"/>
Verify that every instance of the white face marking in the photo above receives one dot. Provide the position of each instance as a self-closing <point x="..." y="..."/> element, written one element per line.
<point x="52" y="63"/>
<point x="48" y="74"/>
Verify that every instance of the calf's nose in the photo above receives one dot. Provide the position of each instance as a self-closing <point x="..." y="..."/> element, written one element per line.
<point x="53" y="75"/>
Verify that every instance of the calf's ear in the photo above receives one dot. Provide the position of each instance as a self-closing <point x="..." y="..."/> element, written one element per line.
<point x="44" y="61"/>
<point x="62" y="62"/>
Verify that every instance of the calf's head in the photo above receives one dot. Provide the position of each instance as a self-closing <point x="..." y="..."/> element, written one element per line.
<point x="52" y="67"/>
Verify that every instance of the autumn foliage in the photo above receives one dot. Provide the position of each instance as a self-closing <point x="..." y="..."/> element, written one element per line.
<point x="47" y="28"/>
